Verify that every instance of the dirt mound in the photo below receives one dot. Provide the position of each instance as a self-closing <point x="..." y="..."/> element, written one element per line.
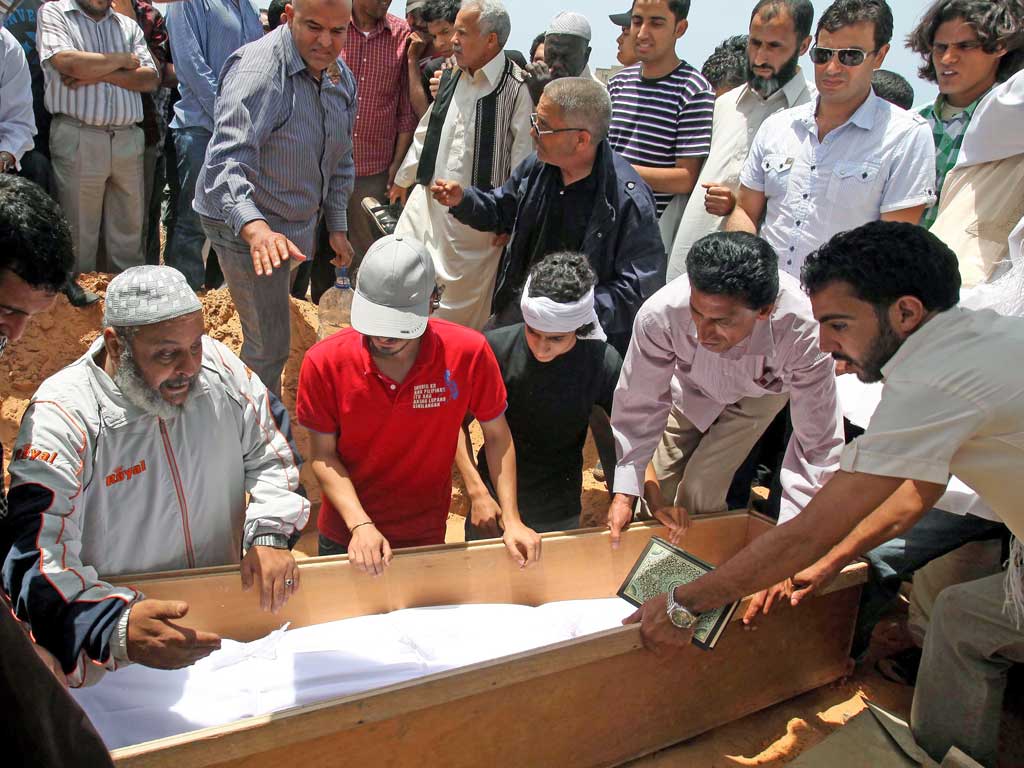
<point x="63" y="334"/>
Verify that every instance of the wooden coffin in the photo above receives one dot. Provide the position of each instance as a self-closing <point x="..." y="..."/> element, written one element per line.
<point x="595" y="701"/>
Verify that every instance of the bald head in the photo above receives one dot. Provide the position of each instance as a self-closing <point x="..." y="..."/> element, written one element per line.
<point x="318" y="29"/>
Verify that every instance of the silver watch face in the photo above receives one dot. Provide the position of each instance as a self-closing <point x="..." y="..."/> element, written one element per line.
<point x="682" y="618"/>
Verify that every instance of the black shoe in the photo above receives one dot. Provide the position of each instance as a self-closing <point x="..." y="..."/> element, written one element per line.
<point x="78" y="296"/>
<point x="900" y="667"/>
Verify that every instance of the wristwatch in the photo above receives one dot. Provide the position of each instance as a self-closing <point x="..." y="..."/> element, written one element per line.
<point x="680" y="616"/>
<point x="275" y="540"/>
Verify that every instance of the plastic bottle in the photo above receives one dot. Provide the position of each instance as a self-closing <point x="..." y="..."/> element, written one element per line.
<point x="334" y="311"/>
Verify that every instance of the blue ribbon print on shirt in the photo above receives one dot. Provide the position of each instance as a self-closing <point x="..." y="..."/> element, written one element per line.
<point x="453" y="387"/>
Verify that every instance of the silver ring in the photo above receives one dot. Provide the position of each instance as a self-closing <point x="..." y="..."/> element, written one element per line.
<point x="289" y="582"/>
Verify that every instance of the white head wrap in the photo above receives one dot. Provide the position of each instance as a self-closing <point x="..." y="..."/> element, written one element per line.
<point x="148" y="294"/>
<point x="549" y="316"/>
<point x="569" y="23"/>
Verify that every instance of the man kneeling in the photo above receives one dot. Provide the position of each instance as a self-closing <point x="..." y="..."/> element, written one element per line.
<point x="138" y="457"/>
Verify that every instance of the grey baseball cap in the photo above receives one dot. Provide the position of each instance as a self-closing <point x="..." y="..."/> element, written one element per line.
<point x="393" y="289"/>
<point x="146" y="295"/>
<point x="622" y="19"/>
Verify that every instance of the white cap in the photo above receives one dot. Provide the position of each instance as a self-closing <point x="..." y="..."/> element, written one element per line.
<point x="413" y="5"/>
<point x="147" y="295"/>
<point x="394" y="285"/>
<point x="569" y="23"/>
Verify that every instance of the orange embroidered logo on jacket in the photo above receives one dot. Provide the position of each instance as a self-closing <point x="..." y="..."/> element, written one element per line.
<point x="125" y="473"/>
<point x="29" y="453"/>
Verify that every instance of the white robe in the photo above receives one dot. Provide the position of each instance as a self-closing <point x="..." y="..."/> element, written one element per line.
<point x="466" y="260"/>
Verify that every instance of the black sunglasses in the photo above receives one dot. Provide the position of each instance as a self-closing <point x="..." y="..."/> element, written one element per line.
<point x="848" y="57"/>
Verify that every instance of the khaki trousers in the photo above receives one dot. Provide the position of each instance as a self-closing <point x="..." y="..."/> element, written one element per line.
<point x="98" y="174"/>
<point x="695" y="469"/>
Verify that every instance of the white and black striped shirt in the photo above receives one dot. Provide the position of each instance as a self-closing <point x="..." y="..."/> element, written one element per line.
<point x="63" y="26"/>
<point x="658" y="121"/>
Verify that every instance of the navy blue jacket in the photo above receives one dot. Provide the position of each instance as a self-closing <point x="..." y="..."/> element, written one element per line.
<point x="622" y="242"/>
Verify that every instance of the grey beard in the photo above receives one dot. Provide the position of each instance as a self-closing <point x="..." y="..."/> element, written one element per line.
<point x="129" y="379"/>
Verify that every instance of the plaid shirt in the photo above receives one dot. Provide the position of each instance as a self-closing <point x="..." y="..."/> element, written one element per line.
<point x="949" y="135"/>
<point x="379" y="64"/>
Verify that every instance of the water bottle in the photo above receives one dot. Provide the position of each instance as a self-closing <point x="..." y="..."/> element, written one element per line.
<point x="334" y="311"/>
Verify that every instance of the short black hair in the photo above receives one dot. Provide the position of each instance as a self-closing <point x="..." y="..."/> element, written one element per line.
<point x="680" y="8"/>
<point x="736" y="264"/>
<point x="35" y="239"/>
<point x="845" y="13"/>
<point x="727" y="65"/>
<point x="998" y="24"/>
<point x="800" y="11"/>
<point x="441" y="10"/>
<point x="274" y="11"/>
<point x="893" y="87"/>
<point x="885" y="260"/>
<point x="538" y="41"/>
<point x="564" y="277"/>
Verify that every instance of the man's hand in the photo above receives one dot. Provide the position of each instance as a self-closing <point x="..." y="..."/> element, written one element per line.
<point x="718" y="200"/>
<point x="447" y="193"/>
<point x="343" y="251"/>
<point x="620" y="515"/>
<point x="154" y="640"/>
<point x="7" y="163"/>
<point x="538" y="75"/>
<point x="369" y="551"/>
<point x="762" y="602"/>
<point x="417" y="46"/>
<point x="658" y="633"/>
<point x="272" y="570"/>
<point x="814" y="579"/>
<point x="676" y="519"/>
<point x="484" y="514"/>
<point x="435" y="81"/>
<point x="268" y="248"/>
<point x="523" y="544"/>
<point x="128" y="61"/>
<point x="398" y="194"/>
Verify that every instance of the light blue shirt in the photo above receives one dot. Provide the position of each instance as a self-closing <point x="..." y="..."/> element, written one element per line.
<point x="203" y="34"/>
<point x="282" y="143"/>
<point x="17" y="121"/>
<point x="881" y="160"/>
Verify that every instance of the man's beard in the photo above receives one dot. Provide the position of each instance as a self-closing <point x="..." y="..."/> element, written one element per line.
<point x="883" y="347"/>
<point x="378" y="352"/>
<point x="766" y="86"/>
<point x="129" y="379"/>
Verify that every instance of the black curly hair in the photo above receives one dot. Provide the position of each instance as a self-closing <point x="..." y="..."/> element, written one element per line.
<point x="736" y="264"/>
<point x="883" y="261"/>
<point x="35" y="239"/>
<point x="564" y="277"/>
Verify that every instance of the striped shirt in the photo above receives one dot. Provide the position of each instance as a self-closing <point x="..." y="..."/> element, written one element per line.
<point x="63" y="26"/>
<point x="378" y="62"/>
<point x="656" y="122"/>
<point x="281" y="149"/>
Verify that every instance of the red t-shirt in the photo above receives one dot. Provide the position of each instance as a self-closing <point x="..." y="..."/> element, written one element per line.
<point x="398" y="440"/>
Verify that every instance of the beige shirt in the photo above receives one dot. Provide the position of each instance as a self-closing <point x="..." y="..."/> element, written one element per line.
<point x="952" y="405"/>
<point x="738" y="115"/>
<point x="466" y="260"/>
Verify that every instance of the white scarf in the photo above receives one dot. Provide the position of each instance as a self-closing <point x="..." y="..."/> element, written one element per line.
<point x="549" y="316"/>
<point x="1015" y="584"/>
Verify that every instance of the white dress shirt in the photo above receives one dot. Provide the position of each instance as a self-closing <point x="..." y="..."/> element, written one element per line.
<point x="738" y="116"/>
<point x="466" y="260"/>
<point x="17" y="122"/>
<point x="879" y="161"/>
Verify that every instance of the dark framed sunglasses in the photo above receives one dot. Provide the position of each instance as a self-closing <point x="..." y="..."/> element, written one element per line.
<point x="848" y="57"/>
<point x="548" y="131"/>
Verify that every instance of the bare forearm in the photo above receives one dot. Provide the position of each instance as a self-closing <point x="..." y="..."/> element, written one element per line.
<point x="336" y="485"/>
<point x="417" y="94"/>
<point x="83" y="65"/>
<point x="501" y="463"/>
<point x="740" y="221"/>
<point x="402" y="144"/>
<point x="674" y="181"/>
<point x="467" y="467"/>
<point x="142" y="80"/>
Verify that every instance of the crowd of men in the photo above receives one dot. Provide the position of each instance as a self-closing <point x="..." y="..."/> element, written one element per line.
<point x="709" y="270"/>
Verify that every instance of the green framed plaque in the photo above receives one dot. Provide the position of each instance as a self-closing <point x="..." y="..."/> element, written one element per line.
<point x="661" y="567"/>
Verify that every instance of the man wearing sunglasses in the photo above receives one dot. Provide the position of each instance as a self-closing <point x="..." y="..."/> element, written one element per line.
<point x="575" y="194"/>
<point x="841" y="161"/>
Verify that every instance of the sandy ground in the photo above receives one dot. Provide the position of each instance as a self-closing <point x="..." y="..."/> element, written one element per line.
<point x="769" y="738"/>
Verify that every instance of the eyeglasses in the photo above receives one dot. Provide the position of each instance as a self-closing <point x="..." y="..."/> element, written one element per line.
<point x="548" y="131"/>
<point x="848" y="57"/>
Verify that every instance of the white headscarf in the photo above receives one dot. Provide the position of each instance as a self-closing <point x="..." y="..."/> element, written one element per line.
<point x="549" y="316"/>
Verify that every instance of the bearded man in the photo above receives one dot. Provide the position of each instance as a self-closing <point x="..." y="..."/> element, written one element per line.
<point x="780" y="33"/>
<point x="139" y="457"/>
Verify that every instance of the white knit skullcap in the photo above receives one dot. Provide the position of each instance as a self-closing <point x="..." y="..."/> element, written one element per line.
<point x="147" y="295"/>
<point x="569" y="23"/>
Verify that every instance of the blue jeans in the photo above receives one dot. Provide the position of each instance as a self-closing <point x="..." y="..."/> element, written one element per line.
<point x="934" y="535"/>
<point x="184" y="247"/>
